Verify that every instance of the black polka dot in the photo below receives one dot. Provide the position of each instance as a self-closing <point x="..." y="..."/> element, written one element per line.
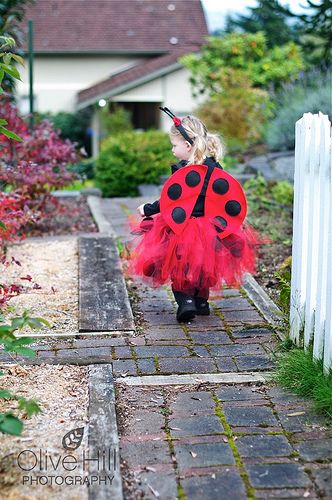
<point x="178" y="215"/>
<point x="221" y="222"/>
<point x="174" y="191"/>
<point x="193" y="179"/>
<point x="220" y="186"/>
<point x="233" y="207"/>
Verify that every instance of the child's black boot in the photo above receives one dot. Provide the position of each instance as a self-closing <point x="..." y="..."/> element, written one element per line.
<point x="202" y="306"/>
<point x="187" y="308"/>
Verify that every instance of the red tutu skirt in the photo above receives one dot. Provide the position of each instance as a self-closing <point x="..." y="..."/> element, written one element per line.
<point x="198" y="258"/>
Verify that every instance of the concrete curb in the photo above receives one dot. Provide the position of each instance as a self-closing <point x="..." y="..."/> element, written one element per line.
<point x="103" y="439"/>
<point x="103" y="225"/>
<point x="264" y="304"/>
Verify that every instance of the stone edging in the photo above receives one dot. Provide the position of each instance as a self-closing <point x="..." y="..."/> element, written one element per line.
<point x="103" y="438"/>
<point x="103" y="224"/>
<point x="264" y="304"/>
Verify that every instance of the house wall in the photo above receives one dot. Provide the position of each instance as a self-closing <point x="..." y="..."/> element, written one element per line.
<point x="172" y="90"/>
<point x="57" y="79"/>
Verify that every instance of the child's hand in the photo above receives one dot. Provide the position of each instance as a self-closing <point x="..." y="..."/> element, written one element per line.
<point x="140" y="210"/>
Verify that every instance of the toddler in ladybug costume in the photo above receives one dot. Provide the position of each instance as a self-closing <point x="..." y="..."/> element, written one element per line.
<point x="194" y="237"/>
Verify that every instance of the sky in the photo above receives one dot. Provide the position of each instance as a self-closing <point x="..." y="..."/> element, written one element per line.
<point x="216" y="10"/>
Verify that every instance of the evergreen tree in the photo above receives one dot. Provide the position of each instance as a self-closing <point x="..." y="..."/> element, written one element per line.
<point x="316" y="28"/>
<point x="268" y="16"/>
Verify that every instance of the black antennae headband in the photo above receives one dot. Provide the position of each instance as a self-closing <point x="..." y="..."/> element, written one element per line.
<point x="178" y="125"/>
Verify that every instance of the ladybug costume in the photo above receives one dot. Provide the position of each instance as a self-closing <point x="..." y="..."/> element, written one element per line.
<point x="196" y="239"/>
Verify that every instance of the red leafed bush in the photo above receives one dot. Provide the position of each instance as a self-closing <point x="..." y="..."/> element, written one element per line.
<point x="32" y="168"/>
<point x="14" y="215"/>
<point x="39" y="162"/>
<point x="43" y="146"/>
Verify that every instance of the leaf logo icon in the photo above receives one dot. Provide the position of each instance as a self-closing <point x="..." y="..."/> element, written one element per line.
<point x="73" y="438"/>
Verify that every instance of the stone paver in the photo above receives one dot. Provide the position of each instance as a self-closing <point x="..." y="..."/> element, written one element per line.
<point x="278" y="476"/>
<point x="203" y="455"/>
<point x="210" y="441"/>
<point x="229" y="485"/>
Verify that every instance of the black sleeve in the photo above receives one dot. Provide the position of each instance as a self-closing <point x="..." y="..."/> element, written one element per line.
<point x="151" y="208"/>
<point x="178" y="165"/>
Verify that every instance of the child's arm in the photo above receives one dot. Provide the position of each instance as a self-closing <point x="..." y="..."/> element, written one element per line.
<point x="148" y="209"/>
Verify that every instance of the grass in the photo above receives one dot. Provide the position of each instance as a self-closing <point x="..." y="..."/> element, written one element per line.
<point x="300" y="374"/>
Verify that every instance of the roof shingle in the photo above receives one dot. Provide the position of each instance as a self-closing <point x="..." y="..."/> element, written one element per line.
<point x="99" y="26"/>
<point x="131" y="75"/>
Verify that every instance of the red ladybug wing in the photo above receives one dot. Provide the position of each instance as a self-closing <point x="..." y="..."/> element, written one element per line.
<point x="225" y="200"/>
<point x="179" y="195"/>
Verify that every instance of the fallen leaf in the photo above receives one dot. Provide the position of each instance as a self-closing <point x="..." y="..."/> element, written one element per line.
<point x="296" y="414"/>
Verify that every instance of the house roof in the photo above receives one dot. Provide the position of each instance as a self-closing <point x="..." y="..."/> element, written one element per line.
<point x="115" y="26"/>
<point x="132" y="77"/>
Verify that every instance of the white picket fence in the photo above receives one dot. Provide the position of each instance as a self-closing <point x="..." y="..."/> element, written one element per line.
<point x="311" y="284"/>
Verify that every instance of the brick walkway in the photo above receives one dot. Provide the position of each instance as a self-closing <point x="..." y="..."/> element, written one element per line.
<point x="208" y="440"/>
<point x="192" y="436"/>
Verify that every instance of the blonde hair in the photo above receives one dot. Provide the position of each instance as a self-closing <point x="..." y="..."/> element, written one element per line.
<point x="204" y="143"/>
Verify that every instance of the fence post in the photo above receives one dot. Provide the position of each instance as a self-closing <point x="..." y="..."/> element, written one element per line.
<point x="300" y="217"/>
<point x="311" y="282"/>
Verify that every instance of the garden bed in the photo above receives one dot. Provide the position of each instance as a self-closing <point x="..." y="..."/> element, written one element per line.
<point x="71" y="216"/>
<point x="61" y="391"/>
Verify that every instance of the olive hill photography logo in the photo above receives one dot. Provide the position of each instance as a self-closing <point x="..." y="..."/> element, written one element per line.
<point x="45" y="468"/>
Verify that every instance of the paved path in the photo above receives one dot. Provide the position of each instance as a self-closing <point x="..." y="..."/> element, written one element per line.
<point x="201" y="439"/>
<point x="196" y="417"/>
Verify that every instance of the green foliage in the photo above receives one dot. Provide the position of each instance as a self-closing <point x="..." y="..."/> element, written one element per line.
<point x="115" y="120"/>
<point x="11" y="14"/>
<point x="10" y="423"/>
<point x="6" y="68"/>
<point x="282" y="192"/>
<point x="72" y="126"/>
<point x="267" y="16"/>
<point x="300" y="374"/>
<point x="284" y="284"/>
<point x="130" y="159"/>
<point x="316" y="32"/>
<point x="246" y="52"/>
<point x="239" y="112"/>
<point x="310" y="93"/>
<point x="85" y="168"/>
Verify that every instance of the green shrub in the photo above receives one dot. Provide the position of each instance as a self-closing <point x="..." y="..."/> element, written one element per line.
<point x="239" y="112"/>
<point x="282" y="192"/>
<point x="311" y="93"/>
<point x="130" y="159"/>
<point x="73" y="126"/>
<point x="85" y="168"/>
<point x="115" y="120"/>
